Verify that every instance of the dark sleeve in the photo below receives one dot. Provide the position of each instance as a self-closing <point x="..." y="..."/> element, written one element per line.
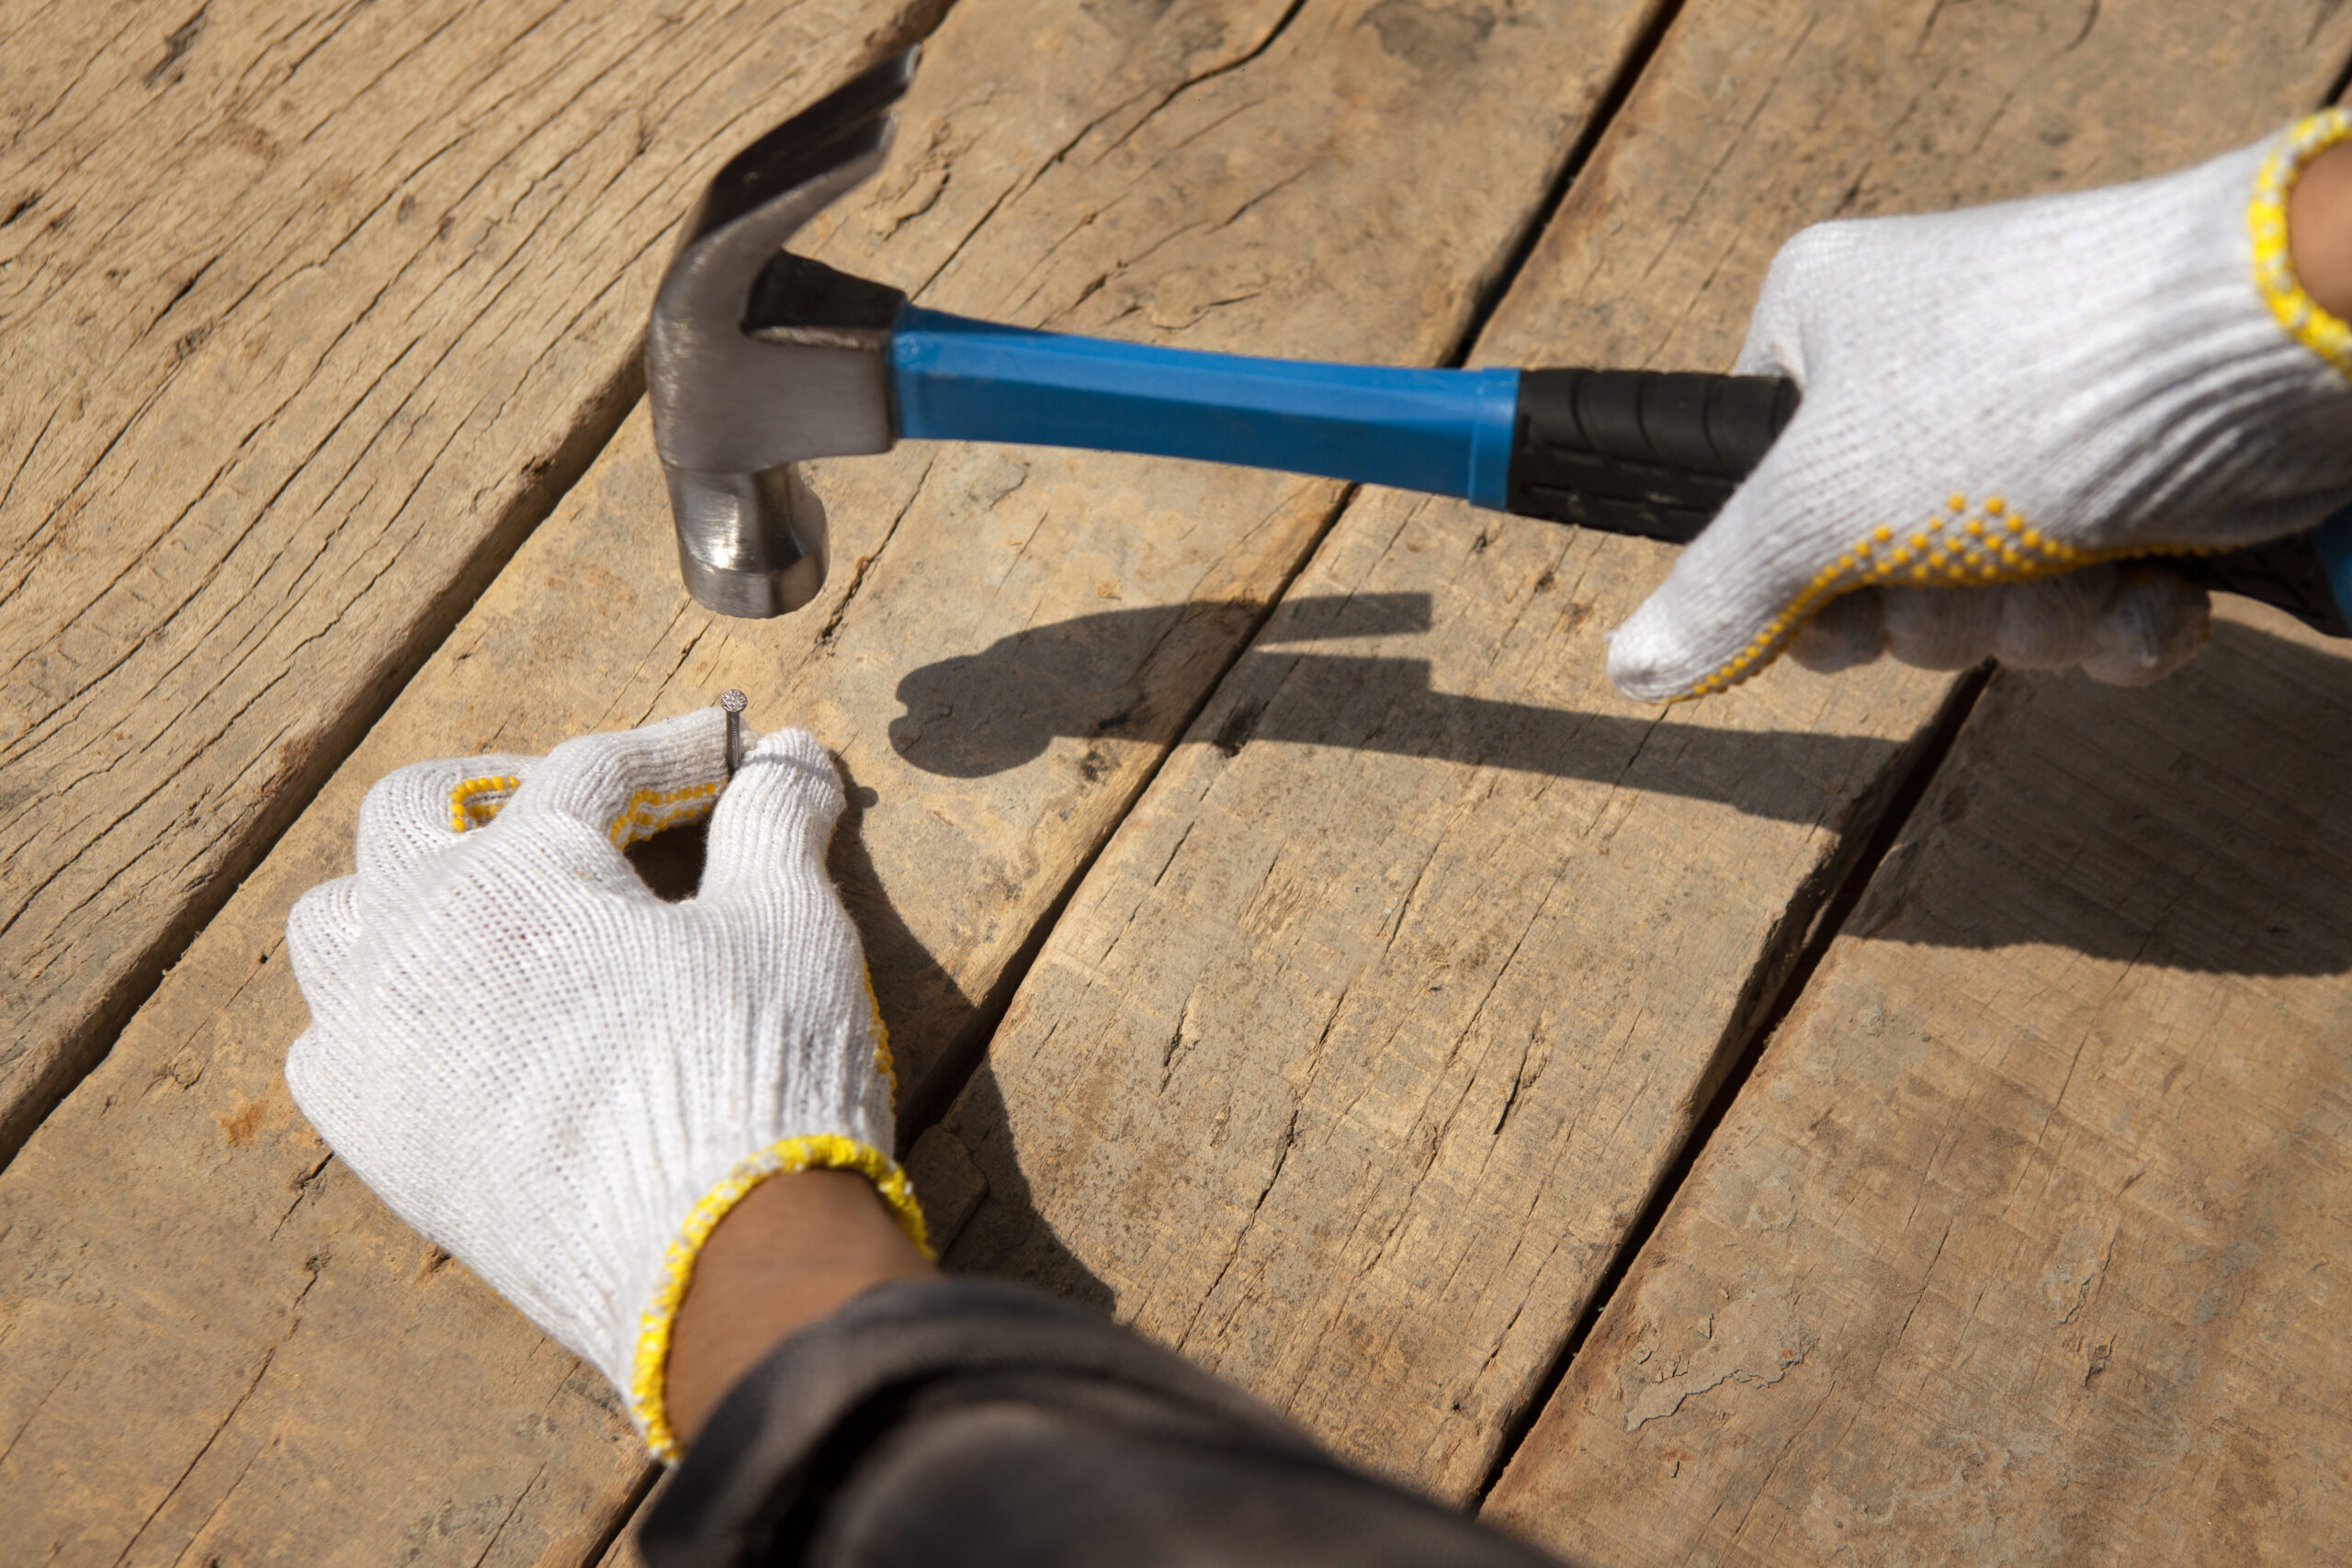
<point x="953" y="1423"/>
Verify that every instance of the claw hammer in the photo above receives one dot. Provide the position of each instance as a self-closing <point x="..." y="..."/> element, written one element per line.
<point x="757" y="359"/>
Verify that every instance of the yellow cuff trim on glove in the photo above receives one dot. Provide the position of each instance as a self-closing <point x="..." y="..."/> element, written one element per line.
<point x="2274" y="260"/>
<point x="648" y="1369"/>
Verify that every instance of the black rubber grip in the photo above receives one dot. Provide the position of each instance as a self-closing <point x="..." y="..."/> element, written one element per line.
<point x="1647" y="452"/>
<point x="2284" y="574"/>
<point x="1657" y="453"/>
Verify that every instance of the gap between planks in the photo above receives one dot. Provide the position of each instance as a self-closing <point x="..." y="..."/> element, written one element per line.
<point x="1847" y="885"/>
<point x="1933" y="752"/>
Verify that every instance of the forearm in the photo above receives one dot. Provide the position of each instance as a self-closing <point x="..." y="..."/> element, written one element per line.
<point x="945" y="1423"/>
<point x="2319" y="226"/>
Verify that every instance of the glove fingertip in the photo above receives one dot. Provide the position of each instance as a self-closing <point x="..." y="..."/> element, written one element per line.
<point x="1647" y="654"/>
<point x="630" y="783"/>
<point x="797" y="747"/>
<point x="413" y="811"/>
<point x="306" y="1081"/>
<point x="781" y="804"/>
<point x="1740" y="589"/>
<point x="1708" y="627"/>
<point x="1664" y="651"/>
<point x="792" y="764"/>
<point x="2155" y="621"/>
<point x="324" y="926"/>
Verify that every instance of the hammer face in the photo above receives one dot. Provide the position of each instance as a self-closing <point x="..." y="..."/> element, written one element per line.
<point x="750" y="545"/>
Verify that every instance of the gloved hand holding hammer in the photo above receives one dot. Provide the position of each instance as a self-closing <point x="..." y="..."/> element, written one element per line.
<point x="2000" y="402"/>
<point x="1959" y="436"/>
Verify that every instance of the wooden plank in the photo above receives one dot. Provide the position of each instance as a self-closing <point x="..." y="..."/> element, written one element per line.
<point x="1363" y="1043"/>
<point x="204" y="1323"/>
<point x="622" y="1551"/>
<point x="313" y="312"/>
<point x="1379" y="1020"/>
<point x="2020" y="1245"/>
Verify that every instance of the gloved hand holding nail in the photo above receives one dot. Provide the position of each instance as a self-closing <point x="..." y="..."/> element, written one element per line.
<point x="1997" y="404"/>
<point x="557" y="1076"/>
<point x="582" y="1093"/>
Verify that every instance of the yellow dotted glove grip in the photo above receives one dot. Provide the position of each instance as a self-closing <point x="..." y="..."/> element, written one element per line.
<point x="1972" y="545"/>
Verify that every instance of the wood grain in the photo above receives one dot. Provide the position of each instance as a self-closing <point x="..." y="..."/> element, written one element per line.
<point x="213" y="1342"/>
<point x="311" y="312"/>
<point x="2022" y="1244"/>
<point x="1358" y="1050"/>
<point x="1379" y="1020"/>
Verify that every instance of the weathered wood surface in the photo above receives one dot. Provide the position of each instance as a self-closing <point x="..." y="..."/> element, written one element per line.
<point x="622" y="1553"/>
<point x="215" y="1344"/>
<point x="311" y="313"/>
<point x="1361" y="1047"/>
<point x="1375" y="1026"/>
<point x="2022" y="1243"/>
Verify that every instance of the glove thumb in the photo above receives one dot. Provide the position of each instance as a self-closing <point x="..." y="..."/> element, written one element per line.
<point x="771" y="827"/>
<point x="1740" y="591"/>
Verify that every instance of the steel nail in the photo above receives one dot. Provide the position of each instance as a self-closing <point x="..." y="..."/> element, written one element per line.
<point x="732" y="703"/>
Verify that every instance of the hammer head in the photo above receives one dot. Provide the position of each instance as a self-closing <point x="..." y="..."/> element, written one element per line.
<point x="755" y="360"/>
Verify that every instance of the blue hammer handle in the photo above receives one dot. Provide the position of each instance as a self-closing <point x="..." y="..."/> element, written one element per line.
<point x="1628" y="452"/>
<point x="1443" y="431"/>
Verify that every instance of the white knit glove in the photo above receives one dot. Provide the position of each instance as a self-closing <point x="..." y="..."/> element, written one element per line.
<point x="557" y="1076"/>
<point x="2001" y="395"/>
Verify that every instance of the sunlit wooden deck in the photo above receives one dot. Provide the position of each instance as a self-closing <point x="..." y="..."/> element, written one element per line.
<point x="1894" y="1118"/>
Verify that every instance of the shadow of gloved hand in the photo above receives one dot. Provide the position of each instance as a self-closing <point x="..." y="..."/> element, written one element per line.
<point x="558" y="1077"/>
<point x="1998" y="404"/>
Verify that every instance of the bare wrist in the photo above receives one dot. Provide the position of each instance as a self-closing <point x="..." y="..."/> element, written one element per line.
<point x="793" y="1250"/>
<point x="2319" y="229"/>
